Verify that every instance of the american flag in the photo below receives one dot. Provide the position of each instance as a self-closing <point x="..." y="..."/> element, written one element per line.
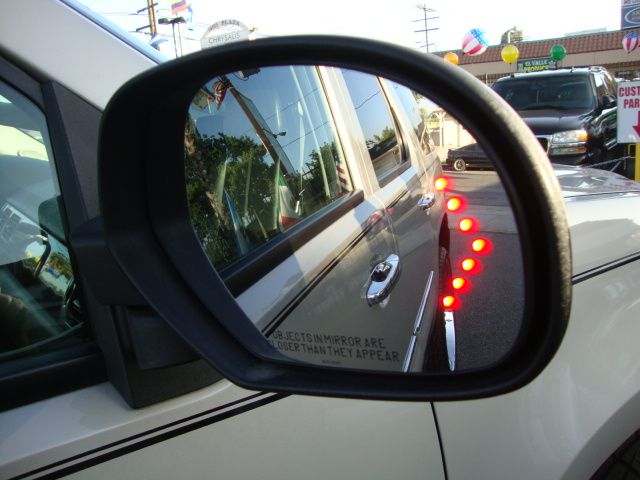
<point x="219" y="91"/>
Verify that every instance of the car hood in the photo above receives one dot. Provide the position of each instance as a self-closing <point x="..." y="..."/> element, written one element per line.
<point x="577" y="181"/>
<point x="550" y="121"/>
<point x="603" y="209"/>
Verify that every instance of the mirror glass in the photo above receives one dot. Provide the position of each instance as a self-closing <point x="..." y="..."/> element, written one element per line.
<point x="358" y="224"/>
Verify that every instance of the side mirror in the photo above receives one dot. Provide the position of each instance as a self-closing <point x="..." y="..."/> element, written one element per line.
<point x="280" y="203"/>
<point x="608" y="101"/>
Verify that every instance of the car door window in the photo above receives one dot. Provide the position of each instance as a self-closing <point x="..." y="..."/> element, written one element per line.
<point x="610" y="84"/>
<point x="262" y="155"/>
<point x="409" y="103"/>
<point x="39" y="310"/>
<point x="601" y="89"/>
<point x="377" y="122"/>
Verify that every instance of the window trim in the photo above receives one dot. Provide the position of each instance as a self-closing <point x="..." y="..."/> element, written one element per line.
<point x="51" y="374"/>
<point x="405" y="158"/>
<point x="407" y="126"/>
<point x="247" y="270"/>
<point x="36" y="377"/>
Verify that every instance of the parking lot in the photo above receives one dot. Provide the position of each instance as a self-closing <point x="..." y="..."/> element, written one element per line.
<point x="485" y="325"/>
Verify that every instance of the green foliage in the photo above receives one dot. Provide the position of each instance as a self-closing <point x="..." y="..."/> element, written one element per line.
<point x="225" y="172"/>
<point x="219" y="163"/>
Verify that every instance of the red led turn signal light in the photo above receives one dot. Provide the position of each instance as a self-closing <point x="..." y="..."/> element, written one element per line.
<point x="471" y="265"/>
<point x="455" y="204"/>
<point x="461" y="285"/>
<point x="467" y="225"/>
<point x="468" y="264"/>
<point x="449" y="302"/>
<point x="478" y="245"/>
<point x="482" y="246"/>
<point x="441" y="183"/>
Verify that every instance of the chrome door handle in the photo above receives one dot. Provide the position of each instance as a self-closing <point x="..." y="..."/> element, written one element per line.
<point x="382" y="279"/>
<point x="427" y="201"/>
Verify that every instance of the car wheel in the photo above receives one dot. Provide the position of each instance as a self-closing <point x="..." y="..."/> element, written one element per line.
<point x="437" y="358"/>
<point x="459" y="165"/>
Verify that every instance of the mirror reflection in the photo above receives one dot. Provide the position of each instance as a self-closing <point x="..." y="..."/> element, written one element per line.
<point x="358" y="224"/>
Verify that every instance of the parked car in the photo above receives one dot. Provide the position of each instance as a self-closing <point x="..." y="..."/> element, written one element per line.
<point x="572" y="111"/>
<point x="472" y="155"/>
<point x="296" y="185"/>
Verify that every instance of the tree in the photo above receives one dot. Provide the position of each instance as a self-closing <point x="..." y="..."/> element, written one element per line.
<point x="224" y="172"/>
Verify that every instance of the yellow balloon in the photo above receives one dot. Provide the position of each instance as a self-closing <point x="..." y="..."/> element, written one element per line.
<point x="451" y="58"/>
<point x="509" y="53"/>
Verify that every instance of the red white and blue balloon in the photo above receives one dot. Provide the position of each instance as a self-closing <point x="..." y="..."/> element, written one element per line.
<point x="474" y="42"/>
<point x="630" y="42"/>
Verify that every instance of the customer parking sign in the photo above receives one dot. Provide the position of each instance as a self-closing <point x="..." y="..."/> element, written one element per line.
<point x="629" y="112"/>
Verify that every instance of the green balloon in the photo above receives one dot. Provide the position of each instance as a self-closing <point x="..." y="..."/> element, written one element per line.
<point x="558" y="52"/>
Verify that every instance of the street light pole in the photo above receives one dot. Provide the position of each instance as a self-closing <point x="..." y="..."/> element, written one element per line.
<point x="173" y="22"/>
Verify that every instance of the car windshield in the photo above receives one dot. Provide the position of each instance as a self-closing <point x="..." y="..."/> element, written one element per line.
<point x="563" y="92"/>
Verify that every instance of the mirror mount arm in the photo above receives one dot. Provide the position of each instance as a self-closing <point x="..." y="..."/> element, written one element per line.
<point x="138" y="346"/>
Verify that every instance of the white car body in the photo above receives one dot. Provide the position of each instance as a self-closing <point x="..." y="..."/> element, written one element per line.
<point x="564" y="424"/>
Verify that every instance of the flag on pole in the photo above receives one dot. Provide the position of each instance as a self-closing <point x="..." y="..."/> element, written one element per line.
<point x="343" y="178"/>
<point x="178" y="6"/>
<point x="219" y="91"/>
<point x="287" y="205"/>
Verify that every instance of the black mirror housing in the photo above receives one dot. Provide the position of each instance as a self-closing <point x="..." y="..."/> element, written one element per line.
<point x="608" y="101"/>
<point x="147" y="228"/>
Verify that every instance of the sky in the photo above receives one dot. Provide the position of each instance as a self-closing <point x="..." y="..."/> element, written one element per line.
<point x="388" y="20"/>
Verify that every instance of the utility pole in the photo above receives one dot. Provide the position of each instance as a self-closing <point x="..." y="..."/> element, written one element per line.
<point x="153" y="29"/>
<point x="152" y="16"/>
<point x="426" y="11"/>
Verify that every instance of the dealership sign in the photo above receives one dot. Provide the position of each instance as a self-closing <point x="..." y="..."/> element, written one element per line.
<point x="224" y="31"/>
<point x="630" y="14"/>
<point x="536" y="65"/>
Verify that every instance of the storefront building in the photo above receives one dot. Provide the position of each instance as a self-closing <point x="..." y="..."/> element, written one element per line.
<point x="603" y="49"/>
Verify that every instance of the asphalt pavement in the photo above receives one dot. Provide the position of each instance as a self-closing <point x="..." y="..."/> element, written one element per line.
<point x="490" y="315"/>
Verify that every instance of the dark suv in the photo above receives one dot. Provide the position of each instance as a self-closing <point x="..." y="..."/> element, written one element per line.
<point x="571" y="111"/>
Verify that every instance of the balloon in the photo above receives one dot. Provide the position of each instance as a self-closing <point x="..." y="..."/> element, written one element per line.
<point x="630" y="42"/>
<point x="451" y="58"/>
<point x="510" y="53"/>
<point x="474" y="42"/>
<point x="558" y="52"/>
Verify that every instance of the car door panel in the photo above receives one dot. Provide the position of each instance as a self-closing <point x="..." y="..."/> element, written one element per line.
<point x="316" y="297"/>
<point x="314" y="305"/>
<point x="221" y="431"/>
<point x="416" y="236"/>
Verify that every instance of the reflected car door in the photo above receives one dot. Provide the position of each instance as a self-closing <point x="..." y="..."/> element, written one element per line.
<point x="405" y="188"/>
<point x="316" y="229"/>
<point x="283" y="211"/>
<point x="372" y="305"/>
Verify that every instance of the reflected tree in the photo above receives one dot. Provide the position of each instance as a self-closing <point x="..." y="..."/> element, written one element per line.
<point x="229" y="184"/>
<point x="239" y="198"/>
